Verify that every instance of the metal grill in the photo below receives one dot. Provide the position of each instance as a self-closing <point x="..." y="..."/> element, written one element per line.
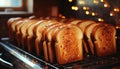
<point x="89" y="62"/>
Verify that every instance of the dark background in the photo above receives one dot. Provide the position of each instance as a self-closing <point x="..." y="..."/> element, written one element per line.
<point x="43" y="8"/>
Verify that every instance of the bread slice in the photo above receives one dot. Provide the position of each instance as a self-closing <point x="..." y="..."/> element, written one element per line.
<point x="17" y="30"/>
<point x="104" y="40"/>
<point x="83" y="26"/>
<point x="30" y="36"/>
<point x="44" y="41"/>
<point x="38" y="35"/>
<point x="88" y="39"/>
<point x="68" y="44"/>
<point x="23" y="32"/>
<point x="11" y="27"/>
<point x="48" y="44"/>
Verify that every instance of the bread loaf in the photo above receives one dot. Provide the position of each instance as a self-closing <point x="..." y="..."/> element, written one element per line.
<point x="63" y="41"/>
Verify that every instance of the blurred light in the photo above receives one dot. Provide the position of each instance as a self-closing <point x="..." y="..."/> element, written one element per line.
<point x="116" y="9"/>
<point x="74" y="8"/>
<point x="87" y="12"/>
<point x="115" y="37"/>
<point x="81" y="2"/>
<point x="93" y="14"/>
<point x="100" y="20"/>
<point x="85" y="8"/>
<point x="117" y="27"/>
<point x="111" y="14"/>
<point x="102" y="0"/>
<point x="63" y="17"/>
<point x="106" y="5"/>
<point x="60" y="15"/>
<point x="70" y="0"/>
<point x="95" y="1"/>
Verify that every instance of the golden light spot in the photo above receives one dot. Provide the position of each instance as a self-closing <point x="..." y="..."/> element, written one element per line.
<point x="100" y="20"/>
<point x="63" y="17"/>
<point x="95" y="1"/>
<point x="70" y="0"/>
<point x="106" y="5"/>
<point x="111" y="14"/>
<point x="93" y="14"/>
<point x="81" y="2"/>
<point x="87" y="12"/>
<point x="74" y="8"/>
<point x="85" y="8"/>
<point x="117" y="27"/>
<point x="101" y="0"/>
<point x="116" y="9"/>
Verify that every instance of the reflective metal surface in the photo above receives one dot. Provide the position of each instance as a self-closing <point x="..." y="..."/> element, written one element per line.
<point x="24" y="60"/>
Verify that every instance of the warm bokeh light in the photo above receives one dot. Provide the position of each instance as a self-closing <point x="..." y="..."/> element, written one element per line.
<point x="111" y="14"/>
<point x="70" y="0"/>
<point x="93" y="14"/>
<point x="106" y="5"/>
<point x="81" y="2"/>
<point x="74" y="8"/>
<point x="87" y="12"/>
<point x="115" y="37"/>
<point x="95" y="1"/>
<point x="117" y="27"/>
<point x="85" y="8"/>
<point x="60" y="15"/>
<point x="116" y="9"/>
<point x="100" y="20"/>
<point x="101" y="0"/>
<point x="63" y="17"/>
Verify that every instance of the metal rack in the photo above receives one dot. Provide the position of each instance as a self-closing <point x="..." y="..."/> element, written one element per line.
<point x="30" y="61"/>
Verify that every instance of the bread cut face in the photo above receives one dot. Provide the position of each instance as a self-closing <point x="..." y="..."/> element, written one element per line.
<point x="104" y="40"/>
<point x="68" y="45"/>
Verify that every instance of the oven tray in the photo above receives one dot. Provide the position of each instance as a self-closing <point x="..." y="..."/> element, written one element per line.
<point x="90" y="62"/>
